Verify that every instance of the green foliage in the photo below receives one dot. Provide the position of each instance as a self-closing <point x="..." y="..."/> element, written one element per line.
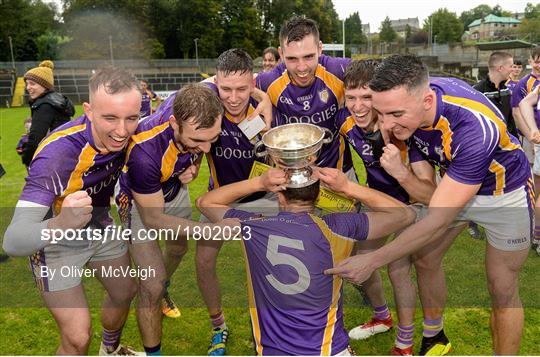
<point x="353" y="30"/>
<point x="532" y="11"/>
<point x="387" y="33"/>
<point x="478" y="12"/>
<point x="446" y="26"/>
<point x="25" y="21"/>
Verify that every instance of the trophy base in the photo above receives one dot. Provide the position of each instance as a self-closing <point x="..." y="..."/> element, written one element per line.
<point x="298" y="178"/>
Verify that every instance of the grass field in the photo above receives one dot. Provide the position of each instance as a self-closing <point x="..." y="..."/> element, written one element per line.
<point x="27" y="328"/>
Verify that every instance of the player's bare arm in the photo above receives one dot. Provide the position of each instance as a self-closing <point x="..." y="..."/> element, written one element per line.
<point x="449" y="198"/>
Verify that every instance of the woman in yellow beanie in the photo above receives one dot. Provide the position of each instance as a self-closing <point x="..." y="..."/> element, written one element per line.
<point x="49" y="109"/>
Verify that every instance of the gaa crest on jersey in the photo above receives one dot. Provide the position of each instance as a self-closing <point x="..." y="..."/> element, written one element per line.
<point x="323" y="95"/>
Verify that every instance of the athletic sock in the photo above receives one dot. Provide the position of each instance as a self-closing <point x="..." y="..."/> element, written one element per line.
<point x="111" y="339"/>
<point x="404" y="337"/>
<point x="153" y="351"/>
<point x="167" y="284"/>
<point x="218" y="320"/>
<point x="432" y="327"/>
<point x="381" y="312"/>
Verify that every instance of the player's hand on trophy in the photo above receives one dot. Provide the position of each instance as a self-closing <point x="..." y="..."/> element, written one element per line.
<point x="392" y="163"/>
<point x="273" y="180"/>
<point x="334" y="179"/>
<point x="76" y="211"/>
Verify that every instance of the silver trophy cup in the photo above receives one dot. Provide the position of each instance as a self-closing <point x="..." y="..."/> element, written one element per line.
<point x="294" y="148"/>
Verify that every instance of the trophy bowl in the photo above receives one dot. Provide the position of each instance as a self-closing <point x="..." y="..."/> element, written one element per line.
<point x="294" y="148"/>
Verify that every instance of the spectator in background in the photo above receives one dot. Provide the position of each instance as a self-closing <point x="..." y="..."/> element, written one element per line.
<point x="24" y="138"/>
<point x="49" y="108"/>
<point x="515" y="75"/>
<point x="270" y="58"/>
<point x="147" y="96"/>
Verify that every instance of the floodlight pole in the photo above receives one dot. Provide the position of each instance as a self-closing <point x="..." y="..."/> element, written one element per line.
<point x="11" y="49"/>
<point x="111" y="50"/>
<point x="343" y="38"/>
<point x="196" y="52"/>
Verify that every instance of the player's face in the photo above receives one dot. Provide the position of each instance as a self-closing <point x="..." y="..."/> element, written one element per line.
<point x="194" y="140"/>
<point x="516" y="70"/>
<point x="269" y="62"/>
<point x="401" y="113"/>
<point x="301" y="59"/>
<point x="358" y="101"/>
<point x="144" y="86"/>
<point x="34" y="89"/>
<point x="27" y="127"/>
<point x="506" y="68"/>
<point x="114" y="117"/>
<point x="535" y="64"/>
<point x="234" y="91"/>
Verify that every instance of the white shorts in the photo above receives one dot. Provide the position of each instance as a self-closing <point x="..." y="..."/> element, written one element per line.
<point x="528" y="148"/>
<point x="180" y="206"/>
<point x="536" y="165"/>
<point x="508" y="219"/>
<point x="57" y="267"/>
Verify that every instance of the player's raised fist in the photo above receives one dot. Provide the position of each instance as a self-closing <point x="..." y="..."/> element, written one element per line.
<point x="392" y="163"/>
<point x="189" y="174"/>
<point x="76" y="211"/>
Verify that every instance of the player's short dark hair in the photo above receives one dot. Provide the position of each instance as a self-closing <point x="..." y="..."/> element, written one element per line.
<point x="535" y="52"/>
<point x="296" y="28"/>
<point x="113" y="80"/>
<point x="234" y="60"/>
<point x="399" y="70"/>
<point x="497" y="58"/>
<point x="518" y="62"/>
<point x="359" y="73"/>
<point x="198" y="103"/>
<point x="302" y="194"/>
<point x="273" y="51"/>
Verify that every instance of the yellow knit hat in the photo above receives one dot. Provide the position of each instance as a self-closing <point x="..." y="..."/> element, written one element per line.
<point x="42" y="75"/>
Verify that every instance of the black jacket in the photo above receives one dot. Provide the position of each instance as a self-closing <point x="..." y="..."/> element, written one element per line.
<point x="49" y="111"/>
<point x="501" y="98"/>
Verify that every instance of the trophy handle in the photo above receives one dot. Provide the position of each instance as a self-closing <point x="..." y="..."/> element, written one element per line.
<point x="256" y="148"/>
<point x="330" y="136"/>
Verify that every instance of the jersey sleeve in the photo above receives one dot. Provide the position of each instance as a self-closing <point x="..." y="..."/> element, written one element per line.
<point x="243" y="215"/>
<point x="472" y="150"/>
<point x="335" y="65"/>
<point x="143" y="172"/>
<point x="519" y="92"/>
<point x="48" y="176"/>
<point x="350" y="225"/>
<point x="264" y="79"/>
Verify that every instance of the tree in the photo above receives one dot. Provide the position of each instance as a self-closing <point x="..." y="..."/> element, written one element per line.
<point x="408" y="33"/>
<point x="242" y="27"/>
<point x="446" y="26"/>
<point x="353" y="30"/>
<point x="24" y="21"/>
<point x="420" y="37"/>
<point x="532" y="11"/>
<point x="387" y="33"/>
<point x="478" y="12"/>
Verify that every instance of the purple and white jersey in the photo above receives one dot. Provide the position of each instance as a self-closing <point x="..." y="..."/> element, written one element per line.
<point x="317" y="104"/>
<point x="146" y="103"/>
<point x="153" y="160"/>
<point x="67" y="161"/>
<point x="377" y="177"/>
<point x="470" y="141"/>
<point x="511" y="84"/>
<point x="295" y="309"/>
<point x="231" y="157"/>
<point x="525" y="86"/>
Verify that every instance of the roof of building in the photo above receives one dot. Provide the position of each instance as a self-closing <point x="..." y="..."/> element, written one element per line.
<point x="494" y="19"/>
<point x="401" y="24"/>
<point x="503" y="45"/>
